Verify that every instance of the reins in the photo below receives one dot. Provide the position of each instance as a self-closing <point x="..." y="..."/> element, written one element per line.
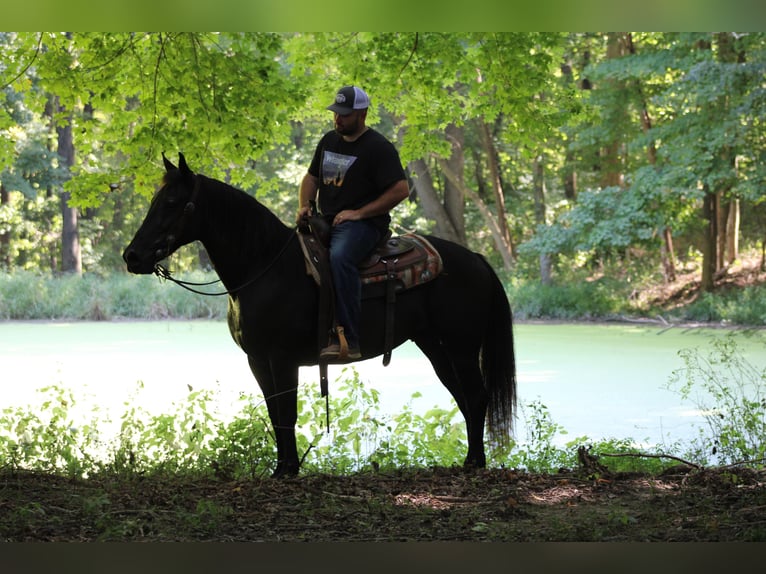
<point x="164" y="273"/>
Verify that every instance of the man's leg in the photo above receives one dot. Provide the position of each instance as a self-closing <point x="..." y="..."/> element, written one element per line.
<point x="350" y="243"/>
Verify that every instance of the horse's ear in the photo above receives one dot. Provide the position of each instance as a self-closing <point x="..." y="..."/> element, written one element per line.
<point x="182" y="163"/>
<point x="168" y="165"/>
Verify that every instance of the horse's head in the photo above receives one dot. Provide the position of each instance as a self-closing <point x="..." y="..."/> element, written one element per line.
<point x="169" y="224"/>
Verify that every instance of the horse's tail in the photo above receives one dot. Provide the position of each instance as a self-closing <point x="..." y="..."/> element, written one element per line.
<point x="498" y="365"/>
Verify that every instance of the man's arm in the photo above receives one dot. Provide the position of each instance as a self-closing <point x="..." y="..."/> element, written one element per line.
<point x="307" y="193"/>
<point x="389" y="199"/>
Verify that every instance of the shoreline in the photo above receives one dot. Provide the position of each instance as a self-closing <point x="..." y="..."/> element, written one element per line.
<point x="601" y="321"/>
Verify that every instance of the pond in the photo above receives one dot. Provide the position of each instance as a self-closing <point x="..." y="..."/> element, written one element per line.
<point x="600" y="381"/>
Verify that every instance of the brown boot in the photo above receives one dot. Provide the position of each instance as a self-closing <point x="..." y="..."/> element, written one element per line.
<point x="332" y="354"/>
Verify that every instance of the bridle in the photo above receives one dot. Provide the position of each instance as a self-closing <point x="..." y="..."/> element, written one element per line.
<point x="164" y="273"/>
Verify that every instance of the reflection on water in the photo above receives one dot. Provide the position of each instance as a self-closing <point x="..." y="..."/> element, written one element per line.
<point x="596" y="381"/>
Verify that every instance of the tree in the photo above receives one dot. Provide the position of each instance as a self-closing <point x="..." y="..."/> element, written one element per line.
<point x="440" y="87"/>
<point x="219" y="97"/>
<point x="516" y="144"/>
<point x="71" y="256"/>
<point x="719" y="102"/>
<point x="30" y="173"/>
<point x="122" y="98"/>
<point x="674" y="112"/>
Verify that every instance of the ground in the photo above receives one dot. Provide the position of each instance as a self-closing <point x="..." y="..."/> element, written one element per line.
<point x="748" y="271"/>
<point x="441" y="504"/>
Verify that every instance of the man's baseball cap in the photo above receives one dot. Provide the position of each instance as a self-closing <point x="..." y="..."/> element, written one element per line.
<point x="349" y="99"/>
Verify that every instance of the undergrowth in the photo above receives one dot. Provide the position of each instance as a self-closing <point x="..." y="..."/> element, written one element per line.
<point x="27" y="295"/>
<point x="56" y="436"/>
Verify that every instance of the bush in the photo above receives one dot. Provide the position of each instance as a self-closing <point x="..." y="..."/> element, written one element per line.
<point x="26" y="295"/>
<point x="731" y="395"/>
<point x="575" y="300"/>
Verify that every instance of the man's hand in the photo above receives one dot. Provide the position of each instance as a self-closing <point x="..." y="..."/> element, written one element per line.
<point x="303" y="214"/>
<point x="307" y="194"/>
<point x="347" y="215"/>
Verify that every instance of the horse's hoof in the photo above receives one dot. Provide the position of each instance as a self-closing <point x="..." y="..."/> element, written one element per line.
<point x="285" y="471"/>
<point x="474" y="464"/>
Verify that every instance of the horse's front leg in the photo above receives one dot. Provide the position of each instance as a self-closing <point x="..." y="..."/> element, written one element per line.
<point x="279" y="384"/>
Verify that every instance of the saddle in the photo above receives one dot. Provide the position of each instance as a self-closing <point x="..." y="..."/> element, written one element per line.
<point x="397" y="264"/>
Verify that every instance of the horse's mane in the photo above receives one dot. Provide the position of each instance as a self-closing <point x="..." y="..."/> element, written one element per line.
<point x="246" y="221"/>
<point x="254" y="224"/>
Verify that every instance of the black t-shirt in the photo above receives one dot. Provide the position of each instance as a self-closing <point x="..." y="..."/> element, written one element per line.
<point x="352" y="174"/>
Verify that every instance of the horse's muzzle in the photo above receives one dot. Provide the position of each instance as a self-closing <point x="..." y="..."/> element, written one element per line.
<point x="137" y="264"/>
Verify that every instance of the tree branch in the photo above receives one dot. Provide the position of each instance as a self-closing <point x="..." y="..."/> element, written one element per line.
<point x="502" y="245"/>
<point x="29" y="64"/>
<point x="412" y="55"/>
<point x="645" y="455"/>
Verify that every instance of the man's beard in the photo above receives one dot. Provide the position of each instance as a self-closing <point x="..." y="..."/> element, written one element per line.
<point x="348" y="129"/>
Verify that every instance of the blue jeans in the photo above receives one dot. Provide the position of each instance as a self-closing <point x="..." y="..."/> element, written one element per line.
<point x="350" y="243"/>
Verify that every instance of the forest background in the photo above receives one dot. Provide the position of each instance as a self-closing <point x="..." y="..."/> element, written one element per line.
<point x="592" y="169"/>
<point x="616" y="159"/>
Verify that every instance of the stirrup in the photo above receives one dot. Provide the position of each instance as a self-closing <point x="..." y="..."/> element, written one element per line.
<point x="343" y="354"/>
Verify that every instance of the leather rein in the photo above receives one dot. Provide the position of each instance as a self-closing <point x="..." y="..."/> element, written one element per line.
<point x="164" y="273"/>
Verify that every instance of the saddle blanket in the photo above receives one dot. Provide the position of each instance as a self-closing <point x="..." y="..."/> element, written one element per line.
<point x="409" y="259"/>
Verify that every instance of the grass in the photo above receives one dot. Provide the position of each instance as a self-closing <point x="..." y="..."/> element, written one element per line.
<point x="26" y="295"/>
<point x="739" y="298"/>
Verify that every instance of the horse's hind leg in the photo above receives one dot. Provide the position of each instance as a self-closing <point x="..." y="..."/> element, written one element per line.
<point x="459" y="371"/>
<point x="280" y="389"/>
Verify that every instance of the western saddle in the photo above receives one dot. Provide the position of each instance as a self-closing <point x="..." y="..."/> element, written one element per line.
<point x="398" y="263"/>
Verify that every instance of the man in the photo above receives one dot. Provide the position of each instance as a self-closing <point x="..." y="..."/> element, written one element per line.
<point x="358" y="176"/>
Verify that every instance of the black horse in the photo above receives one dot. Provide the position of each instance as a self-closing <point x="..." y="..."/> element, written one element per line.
<point x="461" y="320"/>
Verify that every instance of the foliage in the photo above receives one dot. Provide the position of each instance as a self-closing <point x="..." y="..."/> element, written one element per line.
<point x="34" y="225"/>
<point x="429" y="80"/>
<point x="731" y="395"/>
<point x="48" y="438"/>
<point x="570" y="300"/>
<point x="603" y="221"/>
<point x="217" y="97"/>
<point x="745" y="306"/>
<point x="27" y="295"/>
<point x="670" y="115"/>
<point x="58" y="436"/>
<point x="538" y="452"/>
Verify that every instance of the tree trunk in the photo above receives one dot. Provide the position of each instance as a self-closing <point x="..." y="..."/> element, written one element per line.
<point x="5" y="237"/>
<point x="732" y="231"/>
<point x="497" y="184"/>
<point x="667" y="254"/>
<point x="454" y="199"/>
<point x="611" y="162"/>
<point x="720" y="226"/>
<point x="429" y="198"/>
<point x="546" y="263"/>
<point x="710" y="245"/>
<point x="71" y="258"/>
<point x="570" y="176"/>
<point x="503" y="248"/>
<point x="727" y="207"/>
<point x="730" y="252"/>
<point x="569" y="171"/>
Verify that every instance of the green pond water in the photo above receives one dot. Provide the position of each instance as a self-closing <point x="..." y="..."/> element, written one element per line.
<point x="601" y="381"/>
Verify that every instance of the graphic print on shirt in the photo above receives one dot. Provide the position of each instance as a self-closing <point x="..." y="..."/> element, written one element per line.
<point x="335" y="167"/>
